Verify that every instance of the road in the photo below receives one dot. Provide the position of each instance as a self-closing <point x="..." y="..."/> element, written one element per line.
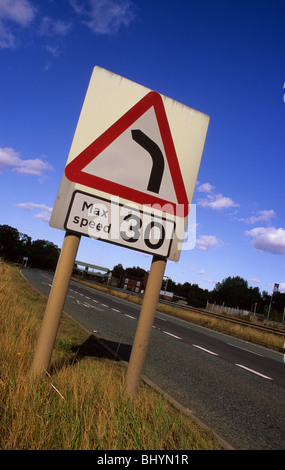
<point x="235" y="387"/>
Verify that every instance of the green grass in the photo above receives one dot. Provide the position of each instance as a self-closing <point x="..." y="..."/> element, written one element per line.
<point x="81" y="404"/>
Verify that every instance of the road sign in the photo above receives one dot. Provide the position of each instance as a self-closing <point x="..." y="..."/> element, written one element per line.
<point x="139" y="151"/>
<point x="133" y="150"/>
<point x="129" y="179"/>
<point x="125" y="225"/>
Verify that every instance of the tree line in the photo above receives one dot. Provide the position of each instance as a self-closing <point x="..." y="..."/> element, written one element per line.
<point x="231" y="291"/>
<point x="14" y="246"/>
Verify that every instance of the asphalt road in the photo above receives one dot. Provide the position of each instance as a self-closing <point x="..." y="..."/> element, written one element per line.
<point x="236" y="388"/>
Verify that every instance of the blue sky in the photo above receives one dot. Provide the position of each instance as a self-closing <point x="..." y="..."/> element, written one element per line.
<point x="223" y="58"/>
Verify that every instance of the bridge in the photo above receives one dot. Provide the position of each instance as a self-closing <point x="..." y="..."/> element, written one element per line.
<point x="89" y="270"/>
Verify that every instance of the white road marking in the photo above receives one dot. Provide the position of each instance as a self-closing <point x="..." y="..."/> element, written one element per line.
<point x="170" y="334"/>
<point x="86" y="304"/>
<point x="130" y="316"/>
<point x="115" y="310"/>
<point x="206" y="350"/>
<point x="254" y="372"/>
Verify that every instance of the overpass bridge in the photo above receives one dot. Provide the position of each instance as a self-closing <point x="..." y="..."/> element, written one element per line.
<point x="90" y="270"/>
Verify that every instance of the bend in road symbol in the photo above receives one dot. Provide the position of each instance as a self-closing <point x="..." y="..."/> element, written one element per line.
<point x="157" y="159"/>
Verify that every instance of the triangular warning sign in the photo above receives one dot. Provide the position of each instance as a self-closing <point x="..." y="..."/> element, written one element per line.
<point x="135" y="159"/>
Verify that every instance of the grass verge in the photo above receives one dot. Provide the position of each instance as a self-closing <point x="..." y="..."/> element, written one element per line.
<point x="81" y="404"/>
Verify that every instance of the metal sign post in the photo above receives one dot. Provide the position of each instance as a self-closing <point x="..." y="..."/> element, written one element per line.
<point x="55" y="304"/>
<point x="143" y="332"/>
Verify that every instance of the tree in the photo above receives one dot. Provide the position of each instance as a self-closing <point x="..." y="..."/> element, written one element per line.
<point x="234" y="292"/>
<point x="171" y="285"/>
<point x="15" y="245"/>
<point x="118" y="271"/>
<point x="197" y="297"/>
<point x="44" y="254"/>
<point x="10" y="243"/>
<point x="183" y="289"/>
<point x="135" y="271"/>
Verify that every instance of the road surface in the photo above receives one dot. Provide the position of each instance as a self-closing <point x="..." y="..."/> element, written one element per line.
<point x="236" y="388"/>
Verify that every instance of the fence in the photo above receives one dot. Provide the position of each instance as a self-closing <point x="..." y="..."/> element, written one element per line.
<point x="228" y="310"/>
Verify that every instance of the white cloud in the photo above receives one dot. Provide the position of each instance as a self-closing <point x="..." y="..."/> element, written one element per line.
<point x="7" y="39"/>
<point x="205" y="188"/>
<point x="35" y="167"/>
<point x="104" y="16"/>
<point x="54" y="27"/>
<point x="217" y="202"/>
<point x="45" y="211"/>
<point x="205" y="242"/>
<point x="9" y="158"/>
<point x="101" y="16"/>
<point x="19" y="12"/>
<point x="282" y="287"/>
<point x="22" y="13"/>
<point x="264" y="215"/>
<point x="53" y="50"/>
<point x="269" y="239"/>
<point x="213" y="200"/>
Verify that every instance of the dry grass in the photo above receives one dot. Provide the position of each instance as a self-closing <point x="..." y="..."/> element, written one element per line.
<point x="248" y="333"/>
<point x="245" y="332"/>
<point x="82" y="404"/>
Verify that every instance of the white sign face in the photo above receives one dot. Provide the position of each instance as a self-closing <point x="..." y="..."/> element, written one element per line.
<point x="139" y="149"/>
<point x="137" y="176"/>
<point x="124" y="225"/>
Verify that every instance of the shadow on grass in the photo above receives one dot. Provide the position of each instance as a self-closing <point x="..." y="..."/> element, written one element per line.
<point x="91" y="347"/>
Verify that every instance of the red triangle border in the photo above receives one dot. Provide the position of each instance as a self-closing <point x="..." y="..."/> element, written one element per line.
<point x="74" y="173"/>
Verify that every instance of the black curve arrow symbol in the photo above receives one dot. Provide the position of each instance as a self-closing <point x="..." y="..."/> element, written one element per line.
<point x="157" y="159"/>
